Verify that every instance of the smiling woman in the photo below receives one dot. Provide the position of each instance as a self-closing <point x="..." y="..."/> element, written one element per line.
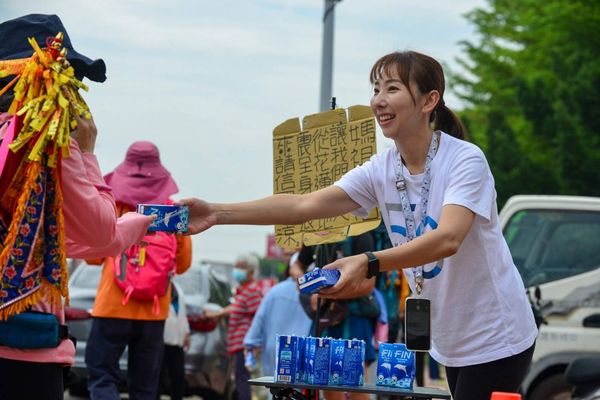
<point x="437" y="199"/>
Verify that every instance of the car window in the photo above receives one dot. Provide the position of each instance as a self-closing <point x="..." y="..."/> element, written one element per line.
<point x="548" y="245"/>
<point x="87" y="277"/>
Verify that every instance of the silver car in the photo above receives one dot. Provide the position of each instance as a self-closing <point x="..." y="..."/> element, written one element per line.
<point x="206" y="286"/>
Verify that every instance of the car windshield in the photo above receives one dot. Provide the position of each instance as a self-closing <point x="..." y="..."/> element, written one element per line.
<point x="547" y="245"/>
<point x="87" y="278"/>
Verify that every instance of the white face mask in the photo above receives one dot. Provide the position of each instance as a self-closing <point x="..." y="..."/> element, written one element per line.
<point x="240" y="275"/>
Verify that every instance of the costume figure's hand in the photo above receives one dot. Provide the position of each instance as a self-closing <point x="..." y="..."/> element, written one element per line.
<point x="201" y="217"/>
<point x="149" y="222"/>
<point x="353" y="280"/>
<point x="85" y="134"/>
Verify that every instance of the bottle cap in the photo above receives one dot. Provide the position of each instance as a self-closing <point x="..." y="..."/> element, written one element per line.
<point x="505" y="396"/>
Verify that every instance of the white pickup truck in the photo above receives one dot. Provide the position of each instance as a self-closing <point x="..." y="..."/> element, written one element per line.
<point x="555" y="244"/>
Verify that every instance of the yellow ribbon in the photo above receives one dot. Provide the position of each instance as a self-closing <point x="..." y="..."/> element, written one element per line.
<point x="46" y="94"/>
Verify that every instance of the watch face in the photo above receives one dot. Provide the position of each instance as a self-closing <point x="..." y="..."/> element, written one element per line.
<point x="375" y="260"/>
<point x="372" y="266"/>
<point x="371" y="257"/>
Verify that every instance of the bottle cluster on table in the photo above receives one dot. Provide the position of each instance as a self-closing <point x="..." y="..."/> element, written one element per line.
<point x="319" y="361"/>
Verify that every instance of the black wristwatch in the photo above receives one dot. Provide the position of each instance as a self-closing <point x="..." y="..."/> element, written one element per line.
<point x="373" y="265"/>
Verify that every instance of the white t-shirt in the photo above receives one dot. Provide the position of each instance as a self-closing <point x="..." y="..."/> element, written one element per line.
<point x="479" y="309"/>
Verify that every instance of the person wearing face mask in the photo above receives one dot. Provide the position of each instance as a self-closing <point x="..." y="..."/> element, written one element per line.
<point x="245" y="303"/>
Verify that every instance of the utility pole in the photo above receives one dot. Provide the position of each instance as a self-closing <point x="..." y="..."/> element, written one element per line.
<point x="327" y="56"/>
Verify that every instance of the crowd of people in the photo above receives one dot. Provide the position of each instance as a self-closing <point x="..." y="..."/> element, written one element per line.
<point x="439" y="239"/>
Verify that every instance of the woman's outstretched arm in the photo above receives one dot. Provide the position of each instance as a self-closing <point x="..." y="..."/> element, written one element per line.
<point x="279" y="209"/>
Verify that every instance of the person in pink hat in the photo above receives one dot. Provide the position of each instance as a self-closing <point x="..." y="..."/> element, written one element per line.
<point x="140" y="178"/>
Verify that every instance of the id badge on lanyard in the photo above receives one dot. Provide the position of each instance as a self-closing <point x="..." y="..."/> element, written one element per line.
<point x="409" y="218"/>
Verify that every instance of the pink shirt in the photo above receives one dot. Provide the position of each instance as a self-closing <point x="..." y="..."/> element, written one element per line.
<point x="92" y="231"/>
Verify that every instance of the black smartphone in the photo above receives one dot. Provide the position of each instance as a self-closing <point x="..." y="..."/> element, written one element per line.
<point x="417" y="324"/>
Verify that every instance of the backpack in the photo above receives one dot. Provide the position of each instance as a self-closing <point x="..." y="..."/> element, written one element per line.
<point x="144" y="272"/>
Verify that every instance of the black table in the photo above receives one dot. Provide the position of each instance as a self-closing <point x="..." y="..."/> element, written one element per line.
<point x="290" y="390"/>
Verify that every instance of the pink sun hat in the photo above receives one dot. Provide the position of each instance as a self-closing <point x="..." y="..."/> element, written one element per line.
<point x="141" y="178"/>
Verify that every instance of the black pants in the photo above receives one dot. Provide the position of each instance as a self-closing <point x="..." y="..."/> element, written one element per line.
<point x="477" y="382"/>
<point x="241" y="377"/>
<point x="173" y="368"/>
<point x="22" y="380"/>
<point x="106" y="343"/>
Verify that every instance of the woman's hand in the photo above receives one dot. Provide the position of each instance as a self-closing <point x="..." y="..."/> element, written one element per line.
<point x="85" y="134"/>
<point x="202" y="216"/>
<point x="295" y="271"/>
<point x="212" y="314"/>
<point x="353" y="280"/>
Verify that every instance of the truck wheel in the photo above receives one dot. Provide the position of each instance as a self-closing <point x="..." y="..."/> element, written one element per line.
<point x="554" y="387"/>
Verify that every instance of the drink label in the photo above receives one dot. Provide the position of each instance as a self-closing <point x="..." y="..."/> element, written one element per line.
<point x="285" y="361"/>
<point x="317" y="279"/>
<point x="299" y="368"/>
<point x="354" y="363"/>
<point x="169" y="218"/>
<point x="384" y="364"/>
<point x="317" y="370"/>
<point x="403" y="367"/>
<point x="336" y="369"/>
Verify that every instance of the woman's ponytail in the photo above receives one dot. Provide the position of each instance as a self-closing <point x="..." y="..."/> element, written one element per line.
<point x="445" y="120"/>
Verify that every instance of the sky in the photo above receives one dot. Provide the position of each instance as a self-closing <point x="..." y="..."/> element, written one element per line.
<point x="207" y="81"/>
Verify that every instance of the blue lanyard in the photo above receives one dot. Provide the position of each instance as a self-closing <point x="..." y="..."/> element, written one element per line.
<point x="409" y="217"/>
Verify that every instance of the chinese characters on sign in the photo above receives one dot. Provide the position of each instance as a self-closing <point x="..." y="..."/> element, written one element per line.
<point x="313" y="156"/>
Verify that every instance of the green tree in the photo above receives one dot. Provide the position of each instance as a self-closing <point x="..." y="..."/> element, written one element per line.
<point x="532" y="89"/>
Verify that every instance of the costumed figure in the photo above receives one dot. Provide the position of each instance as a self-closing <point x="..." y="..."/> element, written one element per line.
<point x="46" y="99"/>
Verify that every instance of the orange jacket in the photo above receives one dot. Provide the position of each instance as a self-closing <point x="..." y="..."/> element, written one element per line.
<point x="109" y="297"/>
